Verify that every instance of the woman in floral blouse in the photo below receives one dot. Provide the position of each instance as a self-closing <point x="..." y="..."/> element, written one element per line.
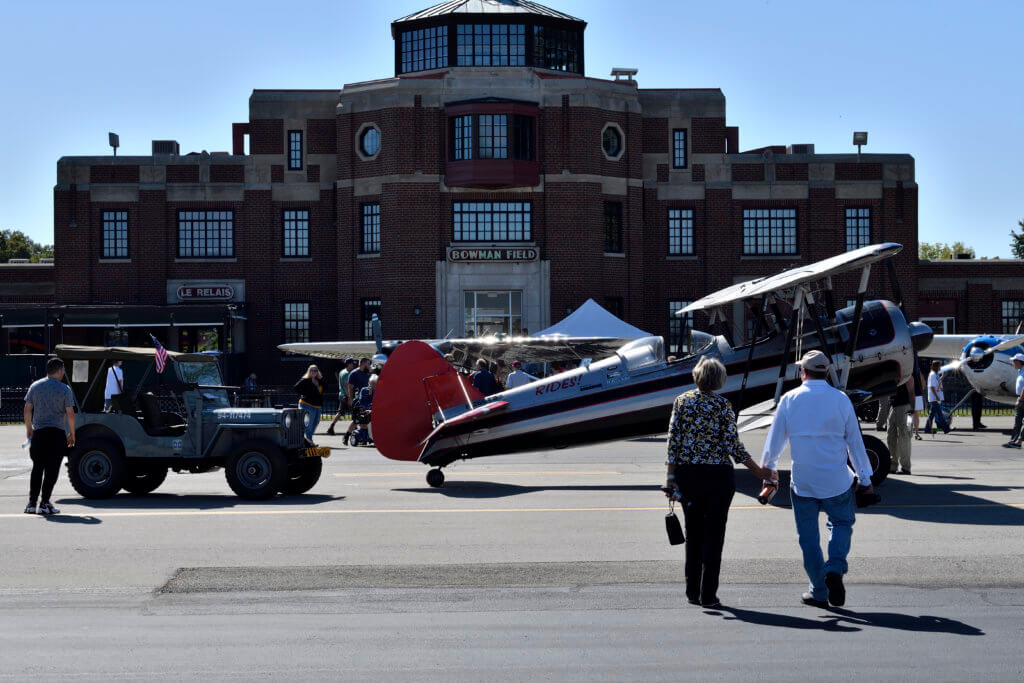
<point x="702" y="438"/>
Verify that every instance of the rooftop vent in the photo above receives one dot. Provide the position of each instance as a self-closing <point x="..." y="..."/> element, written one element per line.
<point x="48" y="259"/>
<point x="800" y="149"/>
<point x="18" y="261"/>
<point x="624" y="74"/>
<point x="165" y="147"/>
<point x="961" y="256"/>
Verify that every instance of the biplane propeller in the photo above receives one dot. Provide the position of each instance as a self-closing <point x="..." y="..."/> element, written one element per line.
<point x="425" y="410"/>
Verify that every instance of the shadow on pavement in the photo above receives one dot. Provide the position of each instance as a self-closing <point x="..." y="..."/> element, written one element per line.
<point x="73" y="519"/>
<point x="170" y="501"/>
<point x="948" y="501"/>
<point x="844" y="620"/>
<point x="490" y="489"/>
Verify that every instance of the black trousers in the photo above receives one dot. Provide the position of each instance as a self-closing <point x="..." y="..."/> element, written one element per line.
<point x="709" y="490"/>
<point x="49" y="445"/>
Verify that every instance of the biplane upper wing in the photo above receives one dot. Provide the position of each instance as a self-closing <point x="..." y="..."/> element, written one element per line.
<point x="858" y="258"/>
<point x="546" y="349"/>
<point x="336" y="350"/>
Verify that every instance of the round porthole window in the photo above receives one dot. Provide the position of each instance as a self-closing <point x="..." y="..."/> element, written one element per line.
<point x="611" y="141"/>
<point x="369" y="142"/>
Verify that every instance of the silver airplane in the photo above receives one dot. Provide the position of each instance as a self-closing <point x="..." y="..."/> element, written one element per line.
<point x="984" y="360"/>
<point x="425" y="410"/>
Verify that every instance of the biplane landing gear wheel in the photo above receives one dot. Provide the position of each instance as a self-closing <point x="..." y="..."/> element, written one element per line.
<point x="878" y="454"/>
<point x="435" y="478"/>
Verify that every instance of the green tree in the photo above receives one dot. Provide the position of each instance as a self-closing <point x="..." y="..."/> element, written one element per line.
<point x="938" y="251"/>
<point x="1017" y="241"/>
<point x="16" y="244"/>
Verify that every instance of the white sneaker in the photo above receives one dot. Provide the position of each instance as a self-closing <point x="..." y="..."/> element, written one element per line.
<point x="30" y="509"/>
<point x="48" y="509"/>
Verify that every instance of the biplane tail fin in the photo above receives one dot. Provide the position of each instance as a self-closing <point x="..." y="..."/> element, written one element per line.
<point x="415" y="384"/>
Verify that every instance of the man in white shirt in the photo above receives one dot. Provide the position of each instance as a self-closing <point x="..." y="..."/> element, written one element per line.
<point x="1018" y="420"/>
<point x="115" y="384"/>
<point x="935" y="397"/>
<point x="517" y="377"/>
<point x="821" y="427"/>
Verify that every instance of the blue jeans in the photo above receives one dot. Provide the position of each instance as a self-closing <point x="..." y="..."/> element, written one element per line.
<point x="935" y="412"/>
<point x="840" y="511"/>
<point x="314" y="419"/>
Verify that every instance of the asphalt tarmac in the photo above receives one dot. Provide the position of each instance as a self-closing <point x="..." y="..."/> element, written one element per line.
<point x="542" y="566"/>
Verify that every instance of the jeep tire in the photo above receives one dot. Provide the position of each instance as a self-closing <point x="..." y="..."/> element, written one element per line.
<point x="303" y="475"/>
<point x="97" y="468"/>
<point x="256" y="470"/>
<point x="142" y="478"/>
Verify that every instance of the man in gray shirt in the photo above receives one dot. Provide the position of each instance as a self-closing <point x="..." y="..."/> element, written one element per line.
<point x="50" y="426"/>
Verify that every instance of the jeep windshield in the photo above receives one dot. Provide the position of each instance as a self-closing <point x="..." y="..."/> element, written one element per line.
<point x="207" y="376"/>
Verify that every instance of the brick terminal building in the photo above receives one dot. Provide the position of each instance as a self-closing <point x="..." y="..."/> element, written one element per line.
<point x="488" y="186"/>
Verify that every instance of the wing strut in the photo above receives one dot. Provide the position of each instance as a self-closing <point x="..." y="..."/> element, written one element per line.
<point x="811" y="309"/>
<point x="858" y="309"/>
<point x="794" y="320"/>
<point x="758" y="324"/>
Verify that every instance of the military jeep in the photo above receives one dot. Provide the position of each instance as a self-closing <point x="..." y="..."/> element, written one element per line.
<point x="179" y="420"/>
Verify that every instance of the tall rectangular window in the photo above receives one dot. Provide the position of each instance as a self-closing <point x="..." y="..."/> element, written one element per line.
<point x="613" y="227"/>
<point x="680" y="232"/>
<point x="115" y="234"/>
<point x="462" y="138"/>
<point x="521" y="138"/>
<point x="295" y="150"/>
<point x="858" y="228"/>
<point x="296" y="321"/>
<point x="1013" y="311"/>
<point x="370" y="306"/>
<point x="769" y="231"/>
<point x="556" y="49"/>
<point x="677" y="333"/>
<point x="679" y="148"/>
<point x="424" y="49"/>
<point x="493" y="137"/>
<point x="491" y="44"/>
<point x="491" y="222"/>
<point x="296" y="232"/>
<point x="369" y="243"/>
<point x="206" y="234"/>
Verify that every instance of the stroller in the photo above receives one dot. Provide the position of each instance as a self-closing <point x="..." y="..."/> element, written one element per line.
<point x="361" y="435"/>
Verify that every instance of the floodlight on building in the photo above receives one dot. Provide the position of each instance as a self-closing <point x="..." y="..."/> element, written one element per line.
<point x="114" y="141"/>
<point x="860" y="138"/>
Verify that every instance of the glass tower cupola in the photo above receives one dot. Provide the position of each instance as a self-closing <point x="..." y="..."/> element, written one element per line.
<point x="488" y="33"/>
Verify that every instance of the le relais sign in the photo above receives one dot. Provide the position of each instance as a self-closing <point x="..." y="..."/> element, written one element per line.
<point x="491" y="254"/>
<point x="206" y="292"/>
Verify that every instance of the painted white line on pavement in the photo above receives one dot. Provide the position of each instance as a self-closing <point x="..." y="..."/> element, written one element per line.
<point x="481" y="472"/>
<point x="391" y="511"/>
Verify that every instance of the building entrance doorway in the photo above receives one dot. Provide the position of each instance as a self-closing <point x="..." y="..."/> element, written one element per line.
<point x="490" y="312"/>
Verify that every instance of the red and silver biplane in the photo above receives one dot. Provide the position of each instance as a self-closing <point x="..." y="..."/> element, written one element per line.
<point x="425" y="410"/>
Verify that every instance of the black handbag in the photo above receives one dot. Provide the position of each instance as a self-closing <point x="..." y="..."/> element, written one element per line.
<point x="673" y="527"/>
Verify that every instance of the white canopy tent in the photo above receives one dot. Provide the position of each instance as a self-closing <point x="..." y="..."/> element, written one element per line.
<point x="591" y="320"/>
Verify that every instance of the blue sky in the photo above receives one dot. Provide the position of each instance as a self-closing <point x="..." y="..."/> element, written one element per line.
<point x="939" y="80"/>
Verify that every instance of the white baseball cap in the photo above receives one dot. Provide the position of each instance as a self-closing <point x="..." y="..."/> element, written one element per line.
<point x="815" y="361"/>
<point x="1019" y="356"/>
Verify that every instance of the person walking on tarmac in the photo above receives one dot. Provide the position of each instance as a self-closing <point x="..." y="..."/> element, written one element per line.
<point x="311" y="398"/>
<point x="115" y="384"/>
<point x="50" y="428"/>
<point x="935" y="397"/>
<point x="1018" y="420"/>
<point x="357" y="380"/>
<point x="897" y="434"/>
<point x="344" y="400"/>
<point x="821" y="427"/>
<point x="483" y="380"/>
